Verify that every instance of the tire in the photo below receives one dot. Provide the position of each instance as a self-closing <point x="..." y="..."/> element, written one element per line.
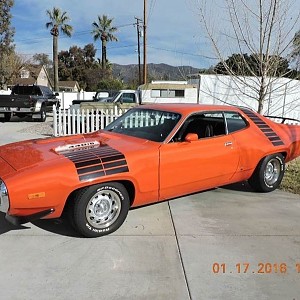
<point x="268" y="174"/>
<point x="7" y="117"/>
<point x="43" y="114"/>
<point x="100" y="209"/>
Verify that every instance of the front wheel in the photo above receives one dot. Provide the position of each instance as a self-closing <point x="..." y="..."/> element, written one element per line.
<point x="100" y="210"/>
<point x="268" y="174"/>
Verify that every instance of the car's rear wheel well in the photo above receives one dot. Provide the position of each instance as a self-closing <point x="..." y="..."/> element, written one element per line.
<point x="284" y="154"/>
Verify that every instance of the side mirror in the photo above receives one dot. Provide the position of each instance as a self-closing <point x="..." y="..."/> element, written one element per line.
<point x="56" y="94"/>
<point x="191" y="137"/>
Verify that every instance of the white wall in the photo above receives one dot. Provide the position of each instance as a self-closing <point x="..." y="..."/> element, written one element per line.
<point x="221" y="89"/>
<point x="190" y="97"/>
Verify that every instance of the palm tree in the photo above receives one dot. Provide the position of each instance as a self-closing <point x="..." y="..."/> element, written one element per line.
<point x="103" y="30"/>
<point x="58" y="23"/>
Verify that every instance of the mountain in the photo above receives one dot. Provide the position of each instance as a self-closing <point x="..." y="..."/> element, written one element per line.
<point x="129" y="73"/>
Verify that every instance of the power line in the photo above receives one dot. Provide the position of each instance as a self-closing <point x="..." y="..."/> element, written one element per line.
<point x="182" y="52"/>
<point x="76" y="33"/>
<point x="152" y="5"/>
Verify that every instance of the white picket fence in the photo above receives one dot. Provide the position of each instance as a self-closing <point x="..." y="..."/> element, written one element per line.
<point x="75" y="121"/>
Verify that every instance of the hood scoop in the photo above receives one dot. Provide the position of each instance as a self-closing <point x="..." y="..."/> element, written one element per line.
<point x="77" y="147"/>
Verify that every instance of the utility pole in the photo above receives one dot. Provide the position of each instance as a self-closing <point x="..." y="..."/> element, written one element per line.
<point x="139" y="48"/>
<point x="145" y="41"/>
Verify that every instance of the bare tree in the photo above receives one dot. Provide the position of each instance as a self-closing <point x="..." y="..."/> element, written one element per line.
<point x="263" y="29"/>
<point x="13" y="64"/>
<point x="296" y="49"/>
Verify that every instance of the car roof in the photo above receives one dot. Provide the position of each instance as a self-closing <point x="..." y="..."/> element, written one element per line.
<point x="185" y="108"/>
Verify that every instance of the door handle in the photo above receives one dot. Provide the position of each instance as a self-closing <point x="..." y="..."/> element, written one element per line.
<point x="228" y="144"/>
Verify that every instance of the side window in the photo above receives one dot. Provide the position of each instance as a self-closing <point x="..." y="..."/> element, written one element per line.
<point x="47" y="92"/>
<point x="128" y="98"/>
<point x="36" y="91"/>
<point x="234" y="121"/>
<point x="205" y="125"/>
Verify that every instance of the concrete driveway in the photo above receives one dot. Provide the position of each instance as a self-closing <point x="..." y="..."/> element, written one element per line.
<point x="227" y="243"/>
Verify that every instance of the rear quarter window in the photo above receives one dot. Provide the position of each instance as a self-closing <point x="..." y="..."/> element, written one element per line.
<point x="235" y="122"/>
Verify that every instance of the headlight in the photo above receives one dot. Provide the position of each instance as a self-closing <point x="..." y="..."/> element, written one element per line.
<point x="4" y="201"/>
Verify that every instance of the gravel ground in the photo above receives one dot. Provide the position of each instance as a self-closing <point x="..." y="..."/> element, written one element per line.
<point x="45" y="128"/>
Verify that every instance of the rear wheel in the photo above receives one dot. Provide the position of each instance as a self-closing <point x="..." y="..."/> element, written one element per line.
<point x="100" y="210"/>
<point x="6" y="118"/>
<point x="42" y="114"/>
<point x="268" y="174"/>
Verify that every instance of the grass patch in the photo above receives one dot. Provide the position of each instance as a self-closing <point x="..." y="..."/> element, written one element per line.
<point x="291" y="179"/>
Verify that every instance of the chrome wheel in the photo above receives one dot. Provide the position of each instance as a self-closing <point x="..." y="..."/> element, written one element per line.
<point x="99" y="209"/>
<point x="272" y="171"/>
<point x="268" y="173"/>
<point x="103" y="209"/>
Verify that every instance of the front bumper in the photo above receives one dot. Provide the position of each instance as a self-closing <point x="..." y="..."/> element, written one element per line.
<point x="4" y="199"/>
<point x="18" y="220"/>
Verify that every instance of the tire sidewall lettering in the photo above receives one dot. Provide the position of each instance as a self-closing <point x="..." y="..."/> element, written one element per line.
<point x="112" y="189"/>
<point x="89" y="227"/>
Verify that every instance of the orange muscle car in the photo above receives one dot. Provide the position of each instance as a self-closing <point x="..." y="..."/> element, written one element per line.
<point x="149" y="154"/>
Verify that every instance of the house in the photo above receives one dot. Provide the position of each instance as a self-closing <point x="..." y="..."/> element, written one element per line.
<point x="168" y="92"/>
<point x="34" y="74"/>
<point x="38" y="74"/>
<point x="68" y="86"/>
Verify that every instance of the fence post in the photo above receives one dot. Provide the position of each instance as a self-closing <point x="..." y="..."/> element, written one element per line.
<point x="55" y="133"/>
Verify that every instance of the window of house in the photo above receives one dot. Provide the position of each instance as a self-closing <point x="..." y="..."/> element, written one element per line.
<point x="155" y="93"/>
<point x="167" y="93"/>
<point x="24" y="74"/>
<point x="179" y="93"/>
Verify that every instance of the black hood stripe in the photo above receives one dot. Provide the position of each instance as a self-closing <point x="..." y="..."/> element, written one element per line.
<point x="264" y="127"/>
<point x="97" y="162"/>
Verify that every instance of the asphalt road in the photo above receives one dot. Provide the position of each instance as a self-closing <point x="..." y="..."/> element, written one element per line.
<point x="227" y="243"/>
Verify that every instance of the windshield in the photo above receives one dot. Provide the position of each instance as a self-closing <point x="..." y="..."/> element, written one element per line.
<point x="153" y="125"/>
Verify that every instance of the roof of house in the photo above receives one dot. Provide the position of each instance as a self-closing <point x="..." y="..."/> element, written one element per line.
<point x="34" y="71"/>
<point x="69" y="83"/>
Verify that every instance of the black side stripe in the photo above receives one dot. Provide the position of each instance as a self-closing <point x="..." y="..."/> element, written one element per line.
<point x="97" y="162"/>
<point x="264" y="127"/>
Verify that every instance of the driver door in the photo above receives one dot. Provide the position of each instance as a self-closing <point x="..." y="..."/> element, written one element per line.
<point x="187" y="167"/>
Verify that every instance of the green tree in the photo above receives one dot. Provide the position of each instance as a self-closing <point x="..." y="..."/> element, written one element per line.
<point x="58" y="23"/>
<point x="80" y="64"/>
<point x="249" y="65"/>
<point x="6" y="40"/>
<point x="104" y="31"/>
<point x="110" y="84"/>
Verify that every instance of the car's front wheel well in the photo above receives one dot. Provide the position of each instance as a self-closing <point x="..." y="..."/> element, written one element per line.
<point x="129" y="186"/>
<point x="130" y="189"/>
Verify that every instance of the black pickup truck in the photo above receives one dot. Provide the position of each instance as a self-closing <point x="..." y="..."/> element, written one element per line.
<point x="28" y="100"/>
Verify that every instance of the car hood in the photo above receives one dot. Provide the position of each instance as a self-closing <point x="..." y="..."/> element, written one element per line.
<point x="32" y="152"/>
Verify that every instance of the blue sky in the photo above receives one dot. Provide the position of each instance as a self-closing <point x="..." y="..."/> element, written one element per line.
<point x="175" y="36"/>
<point x="175" y="32"/>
